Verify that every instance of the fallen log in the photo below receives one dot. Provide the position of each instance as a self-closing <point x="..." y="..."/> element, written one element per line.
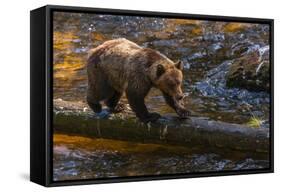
<point x="76" y="118"/>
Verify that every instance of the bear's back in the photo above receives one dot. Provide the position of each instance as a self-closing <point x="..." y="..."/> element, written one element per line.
<point x="112" y="55"/>
<point x="121" y="61"/>
<point x="116" y="47"/>
<point x="112" y="58"/>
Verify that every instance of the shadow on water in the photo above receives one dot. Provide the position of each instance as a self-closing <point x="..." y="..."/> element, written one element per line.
<point x="204" y="47"/>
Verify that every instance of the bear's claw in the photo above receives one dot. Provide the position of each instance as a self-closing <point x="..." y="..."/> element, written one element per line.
<point x="183" y="113"/>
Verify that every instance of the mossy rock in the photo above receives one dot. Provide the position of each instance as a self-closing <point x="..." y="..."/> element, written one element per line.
<point x="249" y="72"/>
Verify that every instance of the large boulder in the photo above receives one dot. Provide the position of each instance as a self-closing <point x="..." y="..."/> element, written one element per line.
<point x="251" y="71"/>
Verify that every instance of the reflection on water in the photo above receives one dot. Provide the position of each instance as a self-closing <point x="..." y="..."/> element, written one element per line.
<point x="83" y="158"/>
<point x="203" y="46"/>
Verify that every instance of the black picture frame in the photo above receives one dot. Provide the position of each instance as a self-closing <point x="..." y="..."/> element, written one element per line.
<point x="41" y="103"/>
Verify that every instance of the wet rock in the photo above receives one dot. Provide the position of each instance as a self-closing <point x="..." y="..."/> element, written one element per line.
<point x="241" y="47"/>
<point x="231" y="98"/>
<point x="214" y="37"/>
<point x="250" y="72"/>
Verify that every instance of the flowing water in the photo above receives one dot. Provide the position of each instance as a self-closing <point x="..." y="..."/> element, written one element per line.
<point x="205" y="47"/>
<point x="78" y="157"/>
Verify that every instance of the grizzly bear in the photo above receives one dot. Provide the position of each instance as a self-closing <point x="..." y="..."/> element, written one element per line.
<point x="119" y="66"/>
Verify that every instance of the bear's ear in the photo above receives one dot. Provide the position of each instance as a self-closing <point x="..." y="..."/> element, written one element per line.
<point x="160" y="70"/>
<point x="179" y="65"/>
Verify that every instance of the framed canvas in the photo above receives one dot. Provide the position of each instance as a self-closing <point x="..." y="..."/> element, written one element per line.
<point x="123" y="95"/>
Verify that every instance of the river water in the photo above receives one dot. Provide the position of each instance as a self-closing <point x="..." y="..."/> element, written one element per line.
<point x="205" y="47"/>
<point x="78" y="157"/>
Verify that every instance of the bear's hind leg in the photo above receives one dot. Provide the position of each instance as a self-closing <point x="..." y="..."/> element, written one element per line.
<point x="95" y="94"/>
<point x="94" y="97"/>
<point x="98" y="90"/>
<point x="113" y="102"/>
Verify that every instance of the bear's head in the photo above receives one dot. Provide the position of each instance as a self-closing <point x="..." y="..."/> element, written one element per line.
<point x="169" y="79"/>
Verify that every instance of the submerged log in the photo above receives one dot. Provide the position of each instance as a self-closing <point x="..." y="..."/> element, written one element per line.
<point x="76" y="118"/>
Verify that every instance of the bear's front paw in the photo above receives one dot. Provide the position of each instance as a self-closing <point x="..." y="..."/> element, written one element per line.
<point x="183" y="113"/>
<point x="152" y="117"/>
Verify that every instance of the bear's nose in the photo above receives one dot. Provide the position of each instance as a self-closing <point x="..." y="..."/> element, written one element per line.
<point x="179" y="97"/>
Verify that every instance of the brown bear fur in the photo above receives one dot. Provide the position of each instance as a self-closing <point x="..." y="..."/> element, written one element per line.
<point x="119" y="66"/>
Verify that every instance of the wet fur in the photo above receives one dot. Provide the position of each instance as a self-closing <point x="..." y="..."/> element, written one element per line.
<point x="119" y="66"/>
